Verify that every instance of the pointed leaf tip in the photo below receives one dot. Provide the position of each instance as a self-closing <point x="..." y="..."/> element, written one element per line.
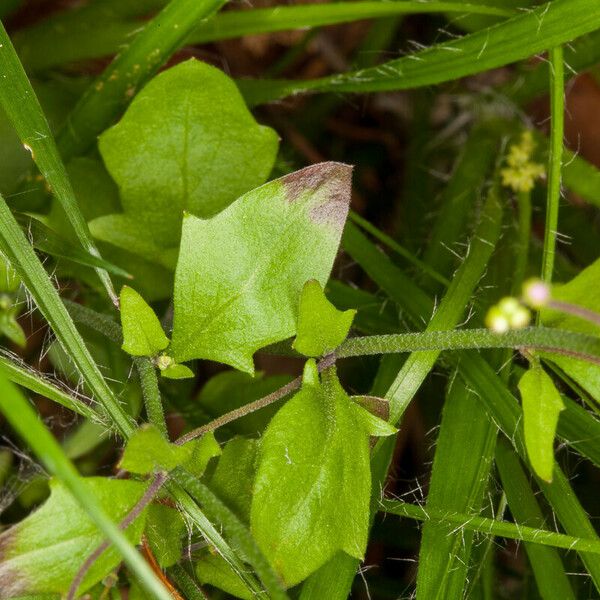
<point x="542" y="405"/>
<point x="334" y="178"/>
<point x="142" y="332"/>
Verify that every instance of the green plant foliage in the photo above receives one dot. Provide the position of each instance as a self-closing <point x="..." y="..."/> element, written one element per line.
<point x="321" y="326"/>
<point x="582" y="290"/>
<point x="313" y="480"/>
<point x="142" y="331"/>
<point x="371" y="423"/>
<point x="268" y="243"/>
<point x="213" y="569"/>
<point x="233" y="479"/>
<point x="43" y="553"/>
<point x="148" y="451"/>
<point x="176" y="167"/>
<point x="175" y="371"/>
<point x="246" y="255"/>
<point x="165" y="531"/>
<point x="542" y="405"/>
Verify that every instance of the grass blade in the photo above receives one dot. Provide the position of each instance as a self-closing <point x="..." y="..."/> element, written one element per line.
<point x="25" y="113"/>
<point x="23" y="259"/>
<point x="74" y="36"/>
<point x="24" y="420"/>
<point x="459" y="477"/>
<point x="518" y="38"/>
<point x="452" y="307"/>
<point x="22" y="374"/>
<point x="546" y="564"/>
<point x="149" y="50"/>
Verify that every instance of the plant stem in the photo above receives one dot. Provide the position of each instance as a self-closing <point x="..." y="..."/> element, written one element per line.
<point x="557" y="107"/>
<point x="149" y="50"/>
<point x="524" y="233"/>
<point x="494" y="527"/>
<point x="238" y="413"/>
<point x="27" y="424"/>
<point x="151" y="393"/>
<point x="543" y="338"/>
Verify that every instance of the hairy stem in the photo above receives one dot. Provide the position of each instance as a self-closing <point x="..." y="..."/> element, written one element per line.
<point x="494" y="527"/>
<point x="151" y="393"/>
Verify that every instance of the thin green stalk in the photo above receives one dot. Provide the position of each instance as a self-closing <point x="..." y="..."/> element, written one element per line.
<point x="487" y="526"/>
<point x="27" y="424"/>
<point x="524" y="234"/>
<point x="151" y="394"/>
<point x="25" y="113"/>
<point x="22" y="374"/>
<point x="149" y="50"/>
<point x="557" y="127"/>
<point x="557" y="340"/>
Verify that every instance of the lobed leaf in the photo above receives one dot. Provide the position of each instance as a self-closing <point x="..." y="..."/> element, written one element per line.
<point x="313" y="482"/>
<point x="176" y="150"/>
<point x="240" y="274"/>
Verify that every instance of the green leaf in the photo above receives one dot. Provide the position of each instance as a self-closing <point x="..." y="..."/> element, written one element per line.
<point x="321" y="326"/>
<point x="147" y="451"/>
<point x="165" y="529"/>
<point x="44" y="552"/>
<point x="541" y="406"/>
<point x="213" y="569"/>
<point x="240" y="273"/>
<point x="371" y="423"/>
<point x="312" y="488"/>
<point x="583" y="290"/>
<point x="186" y="143"/>
<point x="143" y="334"/>
<point x="12" y="330"/>
<point x="233" y="478"/>
<point x="9" y="280"/>
<point x="176" y="371"/>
